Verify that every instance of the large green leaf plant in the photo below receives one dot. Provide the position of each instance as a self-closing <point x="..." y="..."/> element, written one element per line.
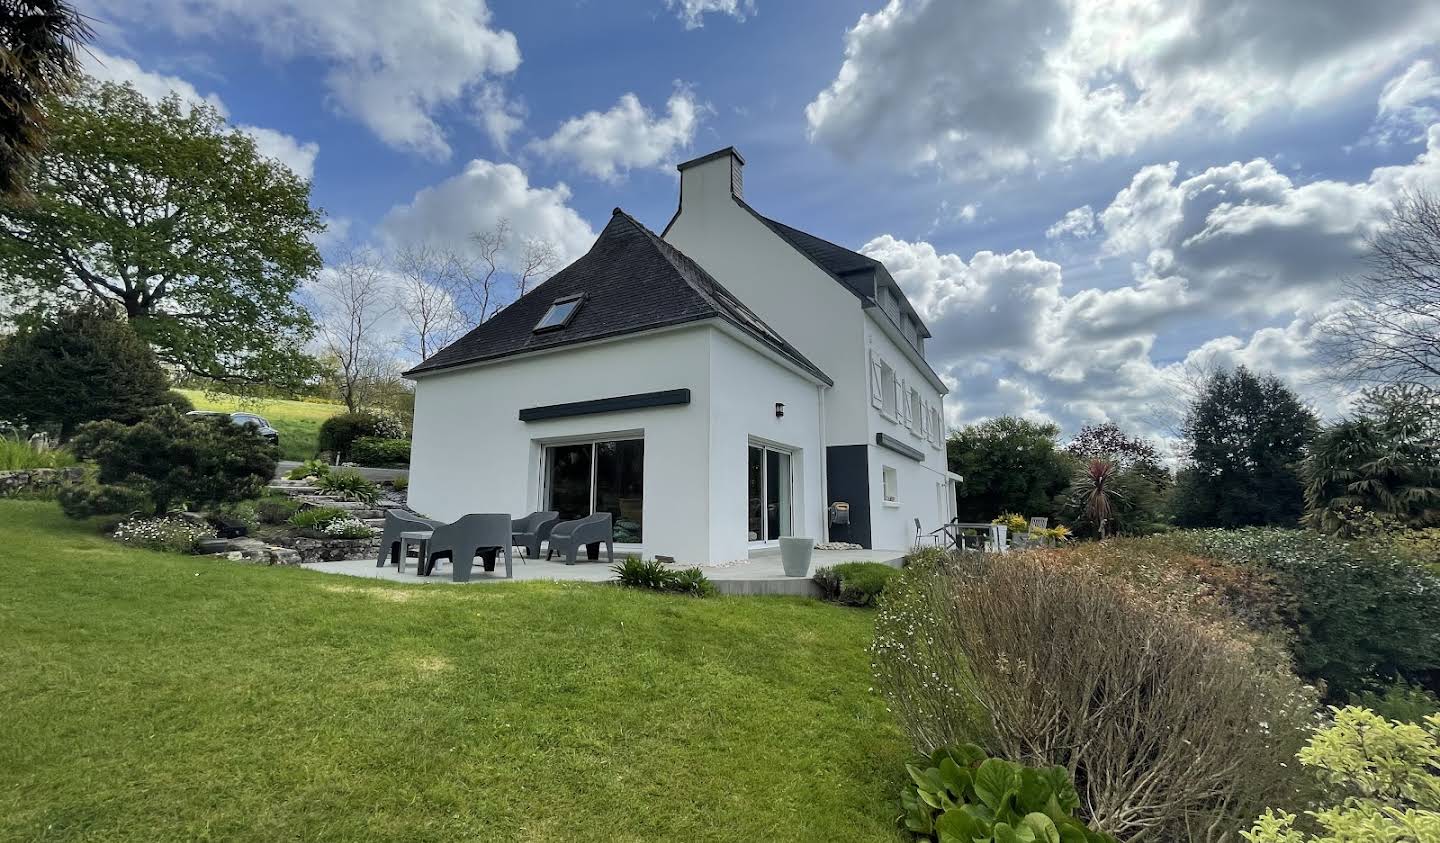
<point x="963" y="796"/>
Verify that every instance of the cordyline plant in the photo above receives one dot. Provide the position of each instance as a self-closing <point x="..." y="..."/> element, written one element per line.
<point x="1094" y="492"/>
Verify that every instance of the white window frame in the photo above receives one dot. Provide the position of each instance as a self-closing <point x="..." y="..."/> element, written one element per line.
<point x="889" y="485"/>
<point x="889" y="391"/>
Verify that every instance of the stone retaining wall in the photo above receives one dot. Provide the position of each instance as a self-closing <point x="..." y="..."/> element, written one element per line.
<point x="37" y="480"/>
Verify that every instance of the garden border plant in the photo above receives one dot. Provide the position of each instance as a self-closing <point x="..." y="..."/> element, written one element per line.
<point x="1173" y="723"/>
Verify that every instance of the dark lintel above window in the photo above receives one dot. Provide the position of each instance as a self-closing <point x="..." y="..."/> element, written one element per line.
<point x="560" y="313"/>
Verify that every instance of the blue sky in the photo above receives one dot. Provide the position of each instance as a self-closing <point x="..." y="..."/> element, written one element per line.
<point x="948" y="139"/>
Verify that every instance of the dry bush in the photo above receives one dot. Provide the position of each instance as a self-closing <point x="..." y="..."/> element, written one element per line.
<point x="1176" y="724"/>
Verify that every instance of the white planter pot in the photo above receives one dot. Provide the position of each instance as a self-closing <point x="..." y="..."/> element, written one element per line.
<point x="795" y="554"/>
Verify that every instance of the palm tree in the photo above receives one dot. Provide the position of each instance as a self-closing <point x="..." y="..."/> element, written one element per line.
<point x="38" y="43"/>
<point x="1093" y="491"/>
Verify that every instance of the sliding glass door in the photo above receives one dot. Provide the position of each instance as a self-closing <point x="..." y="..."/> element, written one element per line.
<point x="599" y="476"/>
<point x="768" y="487"/>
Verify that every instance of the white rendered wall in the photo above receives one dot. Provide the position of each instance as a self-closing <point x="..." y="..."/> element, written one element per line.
<point x="920" y="484"/>
<point x="745" y="386"/>
<point x="471" y="452"/>
<point x="810" y="309"/>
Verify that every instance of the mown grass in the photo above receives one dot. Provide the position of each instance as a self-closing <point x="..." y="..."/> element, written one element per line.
<point x="298" y="421"/>
<point x="157" y="697"/>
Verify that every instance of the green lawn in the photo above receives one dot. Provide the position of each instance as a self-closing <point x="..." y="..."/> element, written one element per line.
<point x="297" y="421"/>
<point x="156" y="697"/>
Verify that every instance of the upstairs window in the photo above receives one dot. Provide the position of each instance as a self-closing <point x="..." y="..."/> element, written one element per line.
<point x="889" y="390"/>
<point x="560" y="313"/>
<point x="917" y="422"/>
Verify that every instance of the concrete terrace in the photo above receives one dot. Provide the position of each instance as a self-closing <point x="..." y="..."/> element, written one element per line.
<point x="762" y="574"/>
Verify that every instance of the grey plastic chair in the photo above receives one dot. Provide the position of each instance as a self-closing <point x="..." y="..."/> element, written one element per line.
<point x="530" y="531"/>
<point x="567" y="537"/>
<point x="481" y="535"/>
<point x="399" y="521"/>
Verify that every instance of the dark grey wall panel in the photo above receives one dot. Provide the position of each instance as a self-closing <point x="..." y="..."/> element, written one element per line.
<point x="847" y="478"/>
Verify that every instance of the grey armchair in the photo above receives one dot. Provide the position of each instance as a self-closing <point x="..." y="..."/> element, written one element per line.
<point x="530" y="531"/>
<point x="590" y="531"/>
<point x="399" y="521"/>
<point x="473" y="535"/>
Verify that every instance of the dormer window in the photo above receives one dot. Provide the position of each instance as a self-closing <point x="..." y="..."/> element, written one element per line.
<point x="560" y="313"/>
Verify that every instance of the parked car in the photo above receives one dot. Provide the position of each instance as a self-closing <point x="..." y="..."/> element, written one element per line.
<point x="262" y="427"/>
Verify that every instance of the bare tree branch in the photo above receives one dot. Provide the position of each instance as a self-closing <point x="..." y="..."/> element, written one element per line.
<point x="1389" y="332"/>
<point x="352" y="300"/>
<point x="427" y="276"/>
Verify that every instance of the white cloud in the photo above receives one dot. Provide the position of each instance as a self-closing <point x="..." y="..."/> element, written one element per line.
<point x="1078" y="223"/>
<point x="480" y="196"/>
<point x="272" y="143"/>
<point x="499" y="115"/>
<point x="299" y="157"/>
<point x="993" y="86"/>
<point x="391" y="65"/>
<point x="1408" y="105"/>
<point x="153" y="86"/>
<point x="609" y="144"/>
<point x="1237" y="240"/>
<point x="693" y="12"/>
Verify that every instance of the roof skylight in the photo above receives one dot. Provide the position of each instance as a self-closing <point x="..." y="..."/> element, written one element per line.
<point x="559" y="314"/>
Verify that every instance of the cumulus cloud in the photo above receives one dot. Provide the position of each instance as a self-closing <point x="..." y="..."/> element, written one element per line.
<point x="1236" y="240"/>
<point x="693" y="12"/>
<point x="392" y="66"/>
<point x="608" y="144"/>
<point x="1078" y="223"/>
<point x="272" y="143"/>
<point x="476" y="199"/>
<point x="993" y="86"/>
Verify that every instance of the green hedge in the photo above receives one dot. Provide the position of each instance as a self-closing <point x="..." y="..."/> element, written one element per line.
<point x="374" y="451"/>
<point x="854" y="583"/>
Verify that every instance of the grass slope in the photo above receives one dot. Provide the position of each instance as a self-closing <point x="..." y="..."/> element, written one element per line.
<point x="298" y="421"/>
<point x="157" y="697"/>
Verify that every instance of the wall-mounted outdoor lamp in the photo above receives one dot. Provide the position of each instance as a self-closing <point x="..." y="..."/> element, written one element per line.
<point x="779" y="410"/>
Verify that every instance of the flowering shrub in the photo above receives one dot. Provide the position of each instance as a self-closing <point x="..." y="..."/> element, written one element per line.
<point x="1172" y="722"/>
<point x="1384" y="777"/>
<point x="347" y="528"/>
<point x="169" y="534"/>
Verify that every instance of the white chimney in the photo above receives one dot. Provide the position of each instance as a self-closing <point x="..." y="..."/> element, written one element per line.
<point x="712" y="177"/>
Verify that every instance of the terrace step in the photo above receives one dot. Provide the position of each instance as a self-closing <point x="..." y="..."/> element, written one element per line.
<point x="294" y="488"/>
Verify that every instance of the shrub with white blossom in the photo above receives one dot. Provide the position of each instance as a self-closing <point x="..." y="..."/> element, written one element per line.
<point x="174" y="535"/>
<point x="347" y="528"/>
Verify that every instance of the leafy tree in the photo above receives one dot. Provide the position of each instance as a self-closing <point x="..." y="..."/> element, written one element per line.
<point x="38" y="41"/>
<point x="164" y="211"/>
<point x="175" y="459"/>
<point x="84" y="365"/>
<point x="1010" y="465"/>
<point x="1247" y="432"/>
<point x="1386" y="460"/>
<point x="1107" y="441"/>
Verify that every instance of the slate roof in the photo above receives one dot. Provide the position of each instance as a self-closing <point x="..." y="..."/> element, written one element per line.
<point x="632" y="281"/>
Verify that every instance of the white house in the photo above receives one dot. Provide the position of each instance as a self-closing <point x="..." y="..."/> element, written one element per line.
<point x="714" y="389"/>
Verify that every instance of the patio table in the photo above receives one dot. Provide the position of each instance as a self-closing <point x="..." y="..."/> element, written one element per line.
<point x="421" y="540"/>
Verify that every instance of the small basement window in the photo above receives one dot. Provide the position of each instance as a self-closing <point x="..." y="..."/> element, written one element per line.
<point x="559" y="314"/>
